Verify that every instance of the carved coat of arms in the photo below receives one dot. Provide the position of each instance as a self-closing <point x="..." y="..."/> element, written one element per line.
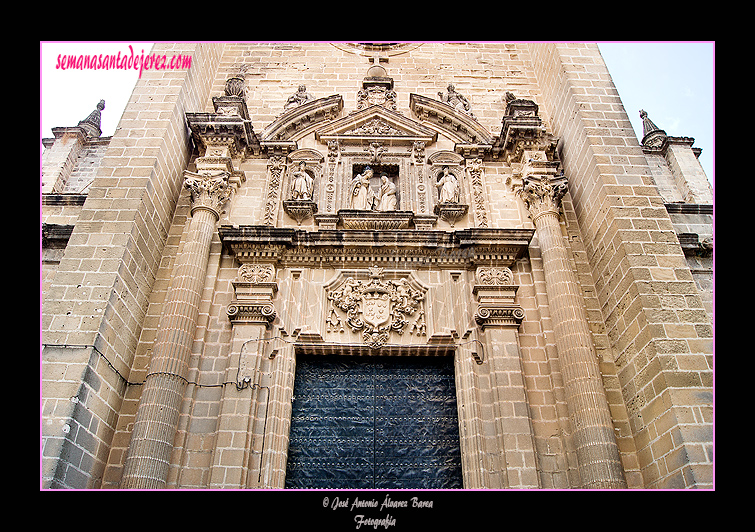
<point x="377" y="306"/>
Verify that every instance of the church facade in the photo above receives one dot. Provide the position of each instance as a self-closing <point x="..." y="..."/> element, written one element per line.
<point x="376" y="265"/>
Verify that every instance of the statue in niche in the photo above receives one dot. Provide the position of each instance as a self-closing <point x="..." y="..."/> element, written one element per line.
<point x="388" y="201"/>
<point x="302" y="184"/>
<point x="360" y="194"/>
<point x="300" y="97"/>
<point x="455" y="100"/>
<point x="448" y="187"/>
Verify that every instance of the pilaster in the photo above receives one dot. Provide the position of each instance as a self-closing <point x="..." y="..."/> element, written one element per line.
<point x="513" y="452"/>
<point x="238" y="454"/>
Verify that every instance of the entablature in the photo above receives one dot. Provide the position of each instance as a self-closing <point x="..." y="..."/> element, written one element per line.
<point x="465" y="248"/>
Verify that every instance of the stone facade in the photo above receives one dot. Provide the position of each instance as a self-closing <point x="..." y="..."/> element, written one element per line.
<point x="487" y="202"/>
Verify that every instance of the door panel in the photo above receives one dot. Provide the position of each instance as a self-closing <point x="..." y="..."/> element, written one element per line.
<point x="374" y="422"/>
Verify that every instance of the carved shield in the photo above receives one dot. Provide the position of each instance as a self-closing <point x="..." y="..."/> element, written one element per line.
<point x="376" y="309"/>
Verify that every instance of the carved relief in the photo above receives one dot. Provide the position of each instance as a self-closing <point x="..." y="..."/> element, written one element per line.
<point x="474" y="167"/>
<point x="491" y="276"/>
<point x="542" y="195"/>
<point x="208" y="191"/>
<point x="380" y="94"/>
<point x="276" y="166"/>
<point x="376" y="126"/>
<point x="257" y="273"/>
<point x="254" y="290"/>
<point x="376" y="307"/>
<point x="495" y="294"/>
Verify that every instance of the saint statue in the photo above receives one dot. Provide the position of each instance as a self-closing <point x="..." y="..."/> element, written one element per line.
<point x="360" y="195"/>
<point x="300" y="97"/>
<point x="448" y="187"/>
<point x="302" y="184"/>
<point x="388" y="201"/>
<point x="456" y="100"/>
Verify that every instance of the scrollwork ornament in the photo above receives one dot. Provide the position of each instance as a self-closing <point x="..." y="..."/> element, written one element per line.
<point x="376" y="307"/>
<point x="494" y="276"/>
<point x="257" y="273"/>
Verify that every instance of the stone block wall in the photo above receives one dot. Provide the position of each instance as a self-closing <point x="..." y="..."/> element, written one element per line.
<point x="95" y="306"/>
<point x="662" y="347"/>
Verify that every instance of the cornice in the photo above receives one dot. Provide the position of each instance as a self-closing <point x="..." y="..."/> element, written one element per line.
<point x="460" y="126"/>
<point x="411" y="248"/>
<point x="290" y="125"/>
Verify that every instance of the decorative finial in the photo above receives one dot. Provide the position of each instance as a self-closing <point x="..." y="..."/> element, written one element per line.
<point x="652" y="135"/>
<point x="91" y="124"/>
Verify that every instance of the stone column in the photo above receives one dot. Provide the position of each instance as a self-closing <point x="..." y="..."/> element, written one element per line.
<point x="148" y="459"/>
<point x="597" y="452"/>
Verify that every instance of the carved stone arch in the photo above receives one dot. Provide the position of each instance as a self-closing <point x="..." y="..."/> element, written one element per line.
<point x="442" y="157"/>
<point x="299" y="121"/>
<point x="306" y="154"/>
<point x="441" y="117"/>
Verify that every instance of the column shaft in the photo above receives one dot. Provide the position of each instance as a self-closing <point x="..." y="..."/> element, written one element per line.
<point x="148" y="460"/>
<point x="597" y="452"/>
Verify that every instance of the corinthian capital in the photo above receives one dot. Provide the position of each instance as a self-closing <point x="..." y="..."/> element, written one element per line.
<point x="208" y="191"/>
<point x="542" y="194"/>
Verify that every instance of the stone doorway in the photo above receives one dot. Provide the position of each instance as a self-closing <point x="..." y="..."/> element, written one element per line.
<point x="374" y="422"/>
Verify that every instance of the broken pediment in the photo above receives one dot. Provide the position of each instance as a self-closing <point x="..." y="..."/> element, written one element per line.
<point x="298" y="121"/>
<point x="376" y="123"/>
<point x="460" y="126"/>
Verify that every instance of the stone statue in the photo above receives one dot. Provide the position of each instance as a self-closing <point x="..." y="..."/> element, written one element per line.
<point x="455" y="100"/>
<point x="388" y="201"/>
<point x="360" y="195"/>
<point x="448" y="187"/>
<point x="300" y="97"/>
<point x="302" y="184"/>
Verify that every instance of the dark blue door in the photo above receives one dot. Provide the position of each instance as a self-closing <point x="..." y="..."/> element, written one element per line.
<point x="374" y="422"/>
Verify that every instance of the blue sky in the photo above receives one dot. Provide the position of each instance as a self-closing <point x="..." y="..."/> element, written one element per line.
<point x="673" y="82"/>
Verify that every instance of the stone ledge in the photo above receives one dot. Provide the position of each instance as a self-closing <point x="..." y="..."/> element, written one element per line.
<point x="465" y="248"/>
<point x="688" y="208"/>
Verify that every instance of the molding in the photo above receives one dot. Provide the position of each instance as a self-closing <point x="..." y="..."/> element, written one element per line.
<point x="231" y="130"/>
<point x="56" y="235"/>
<point x="689" y="208"/>
<point x="403" y="248"/>
<point x="298" y="121"/>
<point x="376" y="123"/>
<point x="459" y="126"/>
<point x="63" y="199"/>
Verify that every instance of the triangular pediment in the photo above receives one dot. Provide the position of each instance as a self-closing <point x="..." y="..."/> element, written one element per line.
<point x="376" y="123"/>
